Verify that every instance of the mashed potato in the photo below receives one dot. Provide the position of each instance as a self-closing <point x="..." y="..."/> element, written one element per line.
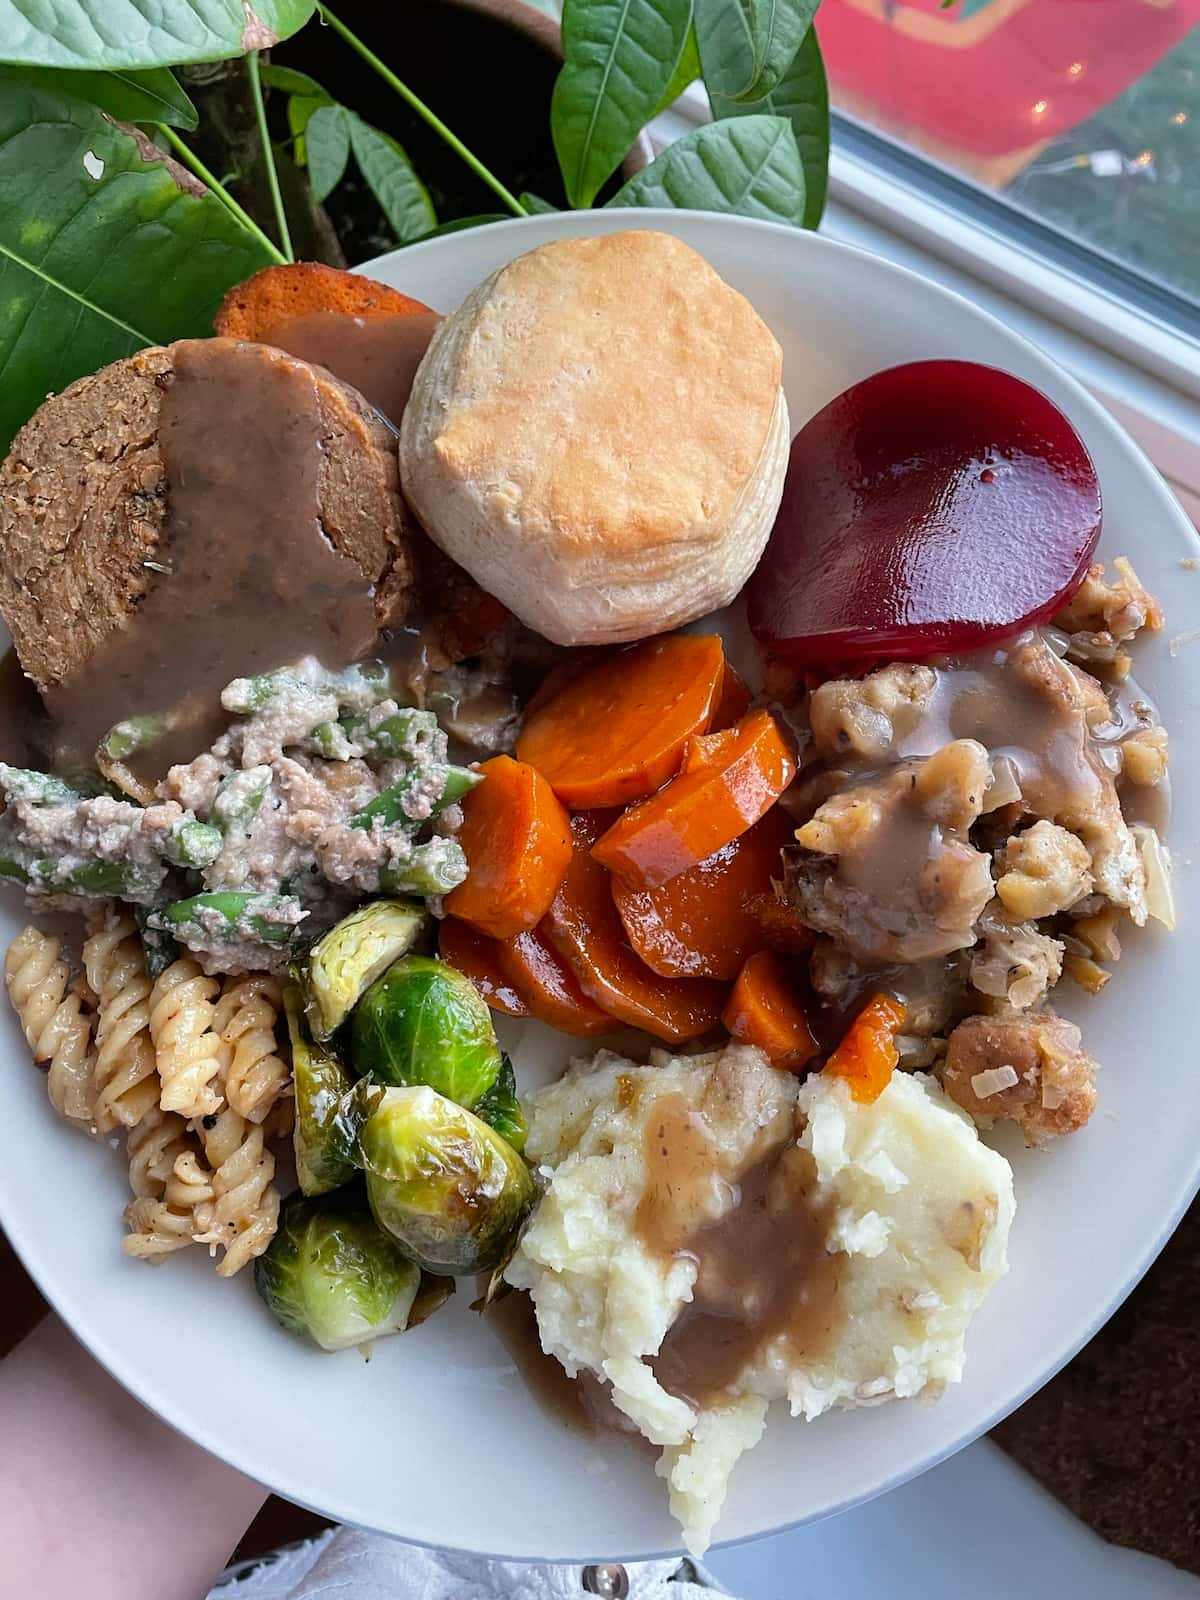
<point x="913" y="1208"/>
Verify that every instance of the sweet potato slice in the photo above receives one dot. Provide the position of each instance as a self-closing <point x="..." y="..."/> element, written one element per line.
<point x="764" y="1009"/>
<point x="867" y="1055"/>
<point x="618" y="731"/>
<point x="476" y="957"/>
<point x="729" y="781"/>
<point x="548" y="987"/>
<point x="517" y="840"/>
<point x="585" y="930"/>
<point x="704" y="922"/>
<point x="254" y="309"/>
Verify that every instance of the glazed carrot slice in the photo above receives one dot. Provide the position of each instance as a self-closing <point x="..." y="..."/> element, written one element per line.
<point x="765" y="1010"/>
<point x="733" y="703"/>
<point x="585" y="930"/>
<point x="729" y="780"/>
<point x="476" y="957"/>
<point x="254" y="309"/>
<point x="548" y="987"/>
<point x="867" y="1055"/>
<point x="703" y="923"/>
<point x="618" y="731"/>
<point x="517" y="840"/>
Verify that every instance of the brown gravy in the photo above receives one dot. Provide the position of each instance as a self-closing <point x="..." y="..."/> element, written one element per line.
<point x="22" y="718"/>
<point x="254" y="580"/>
<point x="762" y="1268"/>
<point x="514" y="1322"/>
<point x="379" y="356"/>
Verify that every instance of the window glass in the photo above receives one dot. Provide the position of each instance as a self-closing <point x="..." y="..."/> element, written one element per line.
<point x="1083" y="113"/>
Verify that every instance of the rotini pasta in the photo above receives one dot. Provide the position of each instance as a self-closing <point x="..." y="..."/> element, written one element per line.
<point x="170" y="1182"/>
<point x="56" y="1022"/>
<point x="244" y="1210"/>
<point x="246" y="1017"/>
<point x="126" y="1077"/>
<point x="189" y="1051"/>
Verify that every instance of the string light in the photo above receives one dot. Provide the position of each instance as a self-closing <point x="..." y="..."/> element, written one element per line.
<point x="1075" y="70"/>
<point x="1040" y="107"/>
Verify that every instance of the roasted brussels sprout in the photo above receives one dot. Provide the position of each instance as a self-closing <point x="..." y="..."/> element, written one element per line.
<point x="501" y="1109"/>
<point x="332" y="1275"/>
<point x="447" y="1187"/>
<point x="423" y="1022"/>
<point x="347" y="961"/>
<point x="326" y="1122"/>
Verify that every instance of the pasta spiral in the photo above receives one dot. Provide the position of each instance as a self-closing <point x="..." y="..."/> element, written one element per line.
<point x="55" y="1020"/>
<point x="189" y="1050"/>
<point x="245" y="1207"/>
<point x="171" y="1182"/>
<point x="126" y="1078"/>
<point x="245" y="1018"/>
<point x="152" y="1148"/>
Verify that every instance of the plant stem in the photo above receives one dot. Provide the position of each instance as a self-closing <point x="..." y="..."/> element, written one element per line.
<point x="268" y="155"/>
<point x="423" y="111"/>
<point x="211" y="181"/>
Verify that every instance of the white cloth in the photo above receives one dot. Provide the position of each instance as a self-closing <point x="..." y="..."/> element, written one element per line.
<point x="346" y="1564"/>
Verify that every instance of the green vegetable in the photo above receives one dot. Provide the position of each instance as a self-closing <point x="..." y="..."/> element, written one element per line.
<point x="802" y="96"/>
<point x="394" y="736"/>
<point x="350" y="957"/>
<point x="433" y="868"/>
<point x="13" y="871"/>
<point x="244" y="915"/>
<point x="500" y="1108"/>
<point x="159" y="947"/>
<point x="618" y="60"/>
<point x="358" y="687"/>
<point x="102" y="251"/>
<point x="136" y="733"/>
<point x="192" y="844"/>
<point x="239" y="798"/>
<point x="43" y="876"/>
<point x="746" y="166"/>
<point x="425" y="1023"/>
<point x="141" y="33"/>
<point x="327" y="1120"/>
<point x="746" y="46"/>
<point x="39" y="788"/>
<point x="447" y="1187"/>
<point x="390" y="806"/>
<point x="332" y="1276"/>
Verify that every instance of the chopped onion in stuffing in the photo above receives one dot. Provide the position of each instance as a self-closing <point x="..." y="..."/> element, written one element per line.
<point x="1156" y="864"/>
<point x="993" y="1080"/>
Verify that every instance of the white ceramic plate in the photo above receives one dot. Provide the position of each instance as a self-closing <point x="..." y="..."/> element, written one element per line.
<point x="437" y="1440"/>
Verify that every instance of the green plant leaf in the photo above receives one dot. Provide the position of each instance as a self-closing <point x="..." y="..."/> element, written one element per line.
<point x="802" y="96"/>
<point x="101" y="251"/>
<point x="747" y="45"/>
<point x="149" y="96"/>
<point x="392" y="180"/>
<point x="749" y="166"/>
<point x="292" y="82"/>
<point x="687" y="70"/>
<point x="460" y="224"/>
<point x="326" y="148"/>
<point x="91" y="34"/>
<point x="619" y="56"/>
<point x="535" y="205"/>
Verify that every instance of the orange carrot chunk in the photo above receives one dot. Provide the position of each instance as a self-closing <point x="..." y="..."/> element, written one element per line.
<point x="764" y="1010"/>
<point x="585" y="930"/>
<point x="734" y="702"/>
<point x="257" y="308"/>
<point x="477" y="957"/>
<point x="704" y="922"/>
<point x="517" y="840"/>
<point x="618" y="731"/>
<point x="867" y="1055"/>
<point x="549" y="988"/>
<point x="729" y="781"/>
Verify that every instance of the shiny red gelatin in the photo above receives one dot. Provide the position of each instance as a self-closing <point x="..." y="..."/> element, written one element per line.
<point x="934" y="506"/>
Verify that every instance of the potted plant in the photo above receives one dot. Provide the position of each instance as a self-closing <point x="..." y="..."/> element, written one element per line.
<point x="145" y="175"/>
